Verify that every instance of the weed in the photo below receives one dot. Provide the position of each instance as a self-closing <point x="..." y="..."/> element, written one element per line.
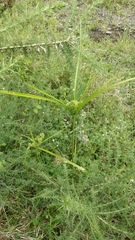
<point x="67" y="140"/>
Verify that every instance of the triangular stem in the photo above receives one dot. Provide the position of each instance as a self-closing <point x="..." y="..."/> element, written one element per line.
<point x="73" y="138"/>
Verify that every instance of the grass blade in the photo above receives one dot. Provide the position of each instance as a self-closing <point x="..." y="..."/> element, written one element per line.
<point x="27" y="95"/>
<point x="77" y="67"/>
<point x="45" y="93"/>
<point x="64" y="160"/>
<point x="100" y="91"/>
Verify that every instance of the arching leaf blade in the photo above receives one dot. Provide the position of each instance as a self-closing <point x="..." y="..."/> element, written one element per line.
<point x="32" y="96"/>
<point x="100" y="91"/>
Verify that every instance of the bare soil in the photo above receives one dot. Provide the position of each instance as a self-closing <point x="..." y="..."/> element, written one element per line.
<point x="114" y="24"/>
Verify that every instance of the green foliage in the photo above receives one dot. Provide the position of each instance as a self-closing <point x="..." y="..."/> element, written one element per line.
<point x="67" y="141"/>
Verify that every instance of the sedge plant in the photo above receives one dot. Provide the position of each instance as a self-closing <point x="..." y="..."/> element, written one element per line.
<point x="74" y="107"/>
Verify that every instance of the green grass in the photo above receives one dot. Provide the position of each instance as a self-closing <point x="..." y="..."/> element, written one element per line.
<point x="44" y="195"/>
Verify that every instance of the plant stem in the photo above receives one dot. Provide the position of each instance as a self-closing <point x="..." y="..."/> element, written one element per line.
<point x="73" y="138"/>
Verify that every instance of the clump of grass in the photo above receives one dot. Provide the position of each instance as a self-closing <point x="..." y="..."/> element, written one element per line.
<point x="61" y="205"/>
